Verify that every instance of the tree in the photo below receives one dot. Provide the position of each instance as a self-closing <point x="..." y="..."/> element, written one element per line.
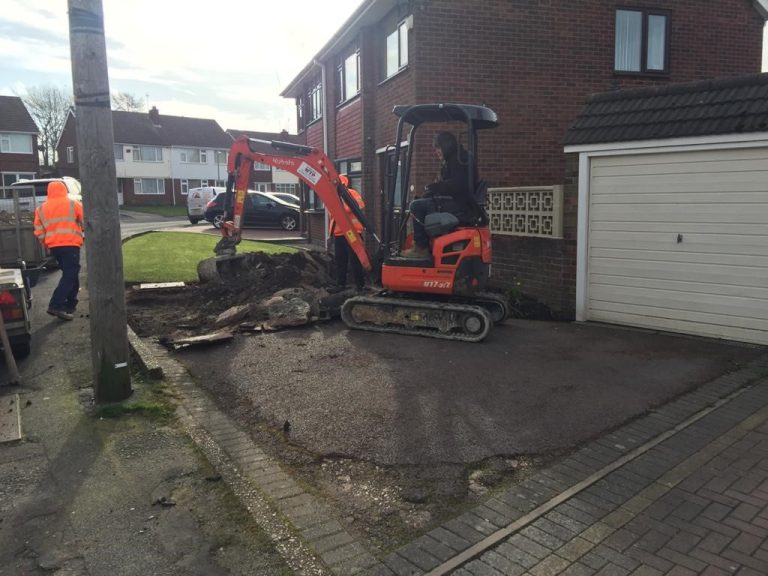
<point x="48" y="106"/>
<point x="127" y="102"/>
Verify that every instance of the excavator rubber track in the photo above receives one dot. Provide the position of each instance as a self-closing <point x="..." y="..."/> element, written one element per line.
<point x="448" y="321"/>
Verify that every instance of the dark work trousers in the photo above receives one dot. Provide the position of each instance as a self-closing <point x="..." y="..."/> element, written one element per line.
<point x="345" y="254"/>
<point x="65" y="295"/>
<point x="421" y="207"/>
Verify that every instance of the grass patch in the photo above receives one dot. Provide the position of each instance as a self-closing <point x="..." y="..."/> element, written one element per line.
<point x="149" y="409"/>
<point x="173" y="256"/>
<point x="165" y="211"/>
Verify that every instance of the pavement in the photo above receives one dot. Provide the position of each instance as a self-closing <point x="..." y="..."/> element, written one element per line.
<point x="680" y="490"/>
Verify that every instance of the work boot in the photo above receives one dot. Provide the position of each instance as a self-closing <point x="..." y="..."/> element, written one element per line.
<point x="416" y="252"/>
<point x="60" y="314"/>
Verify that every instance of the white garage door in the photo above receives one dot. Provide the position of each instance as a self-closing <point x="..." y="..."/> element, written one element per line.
<point x="679" y="242"/>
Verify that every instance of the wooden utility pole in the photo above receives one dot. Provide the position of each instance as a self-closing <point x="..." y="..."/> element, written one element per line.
<point x="96" y="157"/>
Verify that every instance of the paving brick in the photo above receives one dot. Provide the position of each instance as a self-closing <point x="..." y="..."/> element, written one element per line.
<point x="745" y="560"/>
<point x="503" y="508"/>
<point x="682" y="559"/>
<point x="400" y="566"/>
<point x="597" y="532"/>
<point x="539" y="536"/>
<point x="575" y="549"/>
<point x="550" y="566"/>
<point x="380" y="569"/>
<point x="714" y="542"/>
<point x="716" y="511"/>
<point x="526" y="545"/>
<point x="617" y="558"/>
<point x="715" y="560"/>
<point x="683" y="542"/>
<point x="447" y="538"/>
<point x="464" y="531"/>
<point x="612" y="570"/>
<point x="354" y="566"/>
<point x="745" y="512"/>
<point x="577" y="569"/>
<point x="568" y="522"/>
<point x="646" y="571"/>
<point x="418" y="556"/>
<point x="503" y="564"/>
<point x="649" y="559"/>
<point x="586" y="518"/>
<point x="490" y="515"/>
<point x="746" y="527"/>
<point x="321" y="530"/>
<point x="556" y="530"/>
<point x="681" y="571"/>
<point x="621" y="539"/>
<point x="332" y="541"/>
<point x="480" y="524"/>
<point x="435" y="548"/>
<point x="340" y="555"/>
<point x="480" y="568"/>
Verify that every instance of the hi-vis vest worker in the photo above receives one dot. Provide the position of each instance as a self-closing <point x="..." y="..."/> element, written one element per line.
<point x="59" y="226"/>
<point x="355" y="222"/>
<point x="59" y="220"/>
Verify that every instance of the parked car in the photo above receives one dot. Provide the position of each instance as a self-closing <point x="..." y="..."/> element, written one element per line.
<point x="260" y="211"/>
<point x="197" y="200"/>
<point x="32" y="193"/>
<point x="285" y="197"/>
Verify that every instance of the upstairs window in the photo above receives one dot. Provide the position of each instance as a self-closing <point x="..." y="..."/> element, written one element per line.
<point x="348" y="75"/>
<point x="70" y="154"/>
<point x="194" y="156"/>
<point x="16" y="143"/>
<point x="397" y="49"/>
<point x="147" y="154"/>
<point x="642" y="41"/>
<point x="315" y="102"/>
<point x="118" y="151"/>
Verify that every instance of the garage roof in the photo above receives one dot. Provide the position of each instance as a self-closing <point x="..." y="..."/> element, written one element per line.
<point x="722" y="106"/>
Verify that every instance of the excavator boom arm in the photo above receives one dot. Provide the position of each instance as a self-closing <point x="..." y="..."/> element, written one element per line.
<point x="312" y="166"/>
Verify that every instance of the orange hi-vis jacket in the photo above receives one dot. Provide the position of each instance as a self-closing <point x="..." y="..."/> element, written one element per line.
<point x="355" y="222"/>
<point x="59" y="220"/>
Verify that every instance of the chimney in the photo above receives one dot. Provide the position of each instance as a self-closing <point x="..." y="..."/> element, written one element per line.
<point x="154" y="115"/>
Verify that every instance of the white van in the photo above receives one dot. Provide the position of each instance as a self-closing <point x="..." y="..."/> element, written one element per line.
<point x="197" y="200"/>
<point x="32" y="193"/>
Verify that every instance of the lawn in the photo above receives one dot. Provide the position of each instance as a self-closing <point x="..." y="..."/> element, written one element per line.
<point x="173" y="256"/>
<point x="165" y="211"/>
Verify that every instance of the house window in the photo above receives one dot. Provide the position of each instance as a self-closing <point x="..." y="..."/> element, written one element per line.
<point x="70" y="154"/>
<point x="287" y="188"/>
<point x="347" y="75"/>
<point x="11" y="177"/>
<point x="148" y="186"/>
<point x="16" y="143"/>
<point x="315" y="102"/>
<point x="184" y="187"/>
<point x="397" y="49"/>
<point x="262" y="167"/>
<point x="118" y="151"/>
<point x="194" y="156"/>
<point x="221" y="156"/>
<point x="642" y="40"/>
<point x="354" y="171"/>
<point x="147" y="154"/>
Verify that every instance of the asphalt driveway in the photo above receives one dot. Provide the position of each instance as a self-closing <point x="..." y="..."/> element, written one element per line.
<point x="531" y="388"/>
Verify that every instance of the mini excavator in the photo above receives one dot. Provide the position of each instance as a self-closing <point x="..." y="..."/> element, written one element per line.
<point x="442" y="295"/>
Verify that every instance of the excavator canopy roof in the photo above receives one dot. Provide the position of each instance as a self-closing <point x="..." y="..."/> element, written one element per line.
<point x="479" y="116"/>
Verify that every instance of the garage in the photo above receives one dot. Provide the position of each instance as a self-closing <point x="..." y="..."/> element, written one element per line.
<point x="673" y="218"/>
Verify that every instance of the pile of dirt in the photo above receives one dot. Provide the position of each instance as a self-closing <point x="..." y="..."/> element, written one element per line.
<point x="261" y="292"/>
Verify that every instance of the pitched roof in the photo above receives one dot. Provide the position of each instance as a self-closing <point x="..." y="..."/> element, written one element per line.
<point x="14" y="116"/>
<point x="160" y="130"/>
<point x="722" y="106"/>
<point x="279" y="136"/>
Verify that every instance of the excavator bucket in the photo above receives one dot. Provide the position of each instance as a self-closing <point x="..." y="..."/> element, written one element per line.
<point x="222" y="268"/>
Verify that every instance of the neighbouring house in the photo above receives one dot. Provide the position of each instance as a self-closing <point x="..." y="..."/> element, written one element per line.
<point x="672" y="185"/>
<point x="158" y="158"/>
<point x="534" y="63"/>
<point x="18" y="143"/>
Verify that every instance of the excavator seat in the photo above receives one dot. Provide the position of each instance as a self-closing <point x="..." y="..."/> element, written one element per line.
<point x="439" y="223"/>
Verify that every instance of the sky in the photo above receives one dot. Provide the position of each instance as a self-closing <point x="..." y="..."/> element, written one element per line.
<point x="227" y="60"/>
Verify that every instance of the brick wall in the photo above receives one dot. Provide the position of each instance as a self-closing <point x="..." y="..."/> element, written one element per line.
<point x="349" y="125"/>
<point x="534" y="63"/>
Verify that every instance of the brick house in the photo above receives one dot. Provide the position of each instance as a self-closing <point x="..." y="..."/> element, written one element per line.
<point x="534" y="63"/>
<point x="265" y="177"/>
<point x="18" y="143"/>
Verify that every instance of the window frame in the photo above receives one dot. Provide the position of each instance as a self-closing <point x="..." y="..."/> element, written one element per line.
<point x="7" y="139"/>
<point x="138" y="187"/>
<point x="342" y="75"/>
<point x="118" y="151"/>
<point x="70" y="154"/>
<point x="645" y="14"/>
<point x="139" y="151"/>
<point x="401" y="29"/>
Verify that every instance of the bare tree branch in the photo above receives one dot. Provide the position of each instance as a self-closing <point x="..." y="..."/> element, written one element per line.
<point x="127" y="102"/>
<point x="48" y="106"/>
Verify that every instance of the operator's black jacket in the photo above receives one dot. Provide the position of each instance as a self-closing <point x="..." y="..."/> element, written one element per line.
<point x="454" y="175"/>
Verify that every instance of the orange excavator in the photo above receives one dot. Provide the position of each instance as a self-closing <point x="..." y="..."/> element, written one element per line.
<point x="442" y="295"/>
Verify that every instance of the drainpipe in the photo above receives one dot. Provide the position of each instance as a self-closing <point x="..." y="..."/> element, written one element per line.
<point x="325" y="137"/>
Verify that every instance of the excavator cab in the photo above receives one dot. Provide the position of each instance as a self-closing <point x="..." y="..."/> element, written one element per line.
<point x="460" y="243"/>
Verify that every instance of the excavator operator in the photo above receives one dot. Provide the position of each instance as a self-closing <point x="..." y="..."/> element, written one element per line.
<point x="448" y="194"/>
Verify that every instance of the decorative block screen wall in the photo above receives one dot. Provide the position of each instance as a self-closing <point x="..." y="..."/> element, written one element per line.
<point x="526" y="211"/>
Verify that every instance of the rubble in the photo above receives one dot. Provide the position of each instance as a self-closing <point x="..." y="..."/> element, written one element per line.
<point x="256" y="292"/>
